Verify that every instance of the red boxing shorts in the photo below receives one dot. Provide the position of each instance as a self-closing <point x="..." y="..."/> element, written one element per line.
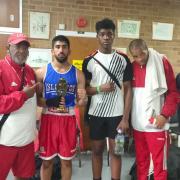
<point x="20" y="159"/>
<point x="57" y="136"/>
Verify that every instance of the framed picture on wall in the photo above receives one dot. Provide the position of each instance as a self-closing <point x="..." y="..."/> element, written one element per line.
<point x="39" y="25"/>
<point x="162" y="31"/>
<point x="39" y="57"/>
<point x="128" y="28"/>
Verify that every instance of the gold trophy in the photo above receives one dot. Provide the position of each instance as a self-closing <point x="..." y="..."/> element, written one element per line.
<point x="61" y="92"/>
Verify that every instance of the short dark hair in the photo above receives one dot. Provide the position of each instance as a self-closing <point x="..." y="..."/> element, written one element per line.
<point x="105" y="24"/>
<point x="138" y="43"/>
<point x="62" y="39"/>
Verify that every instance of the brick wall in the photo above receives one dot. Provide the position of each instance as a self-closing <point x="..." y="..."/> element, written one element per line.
<point x="67" y="12"/>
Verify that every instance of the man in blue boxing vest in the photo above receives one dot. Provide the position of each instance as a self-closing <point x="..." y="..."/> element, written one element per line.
<point x="63" y="88"/>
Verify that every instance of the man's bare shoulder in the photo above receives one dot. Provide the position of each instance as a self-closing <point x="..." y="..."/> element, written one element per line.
<point x="79" y="72"/>
<point x="40" y="73"/>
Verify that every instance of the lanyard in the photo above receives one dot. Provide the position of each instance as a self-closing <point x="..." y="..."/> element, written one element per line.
<point x="5" y="116"/>
<point x="21" y="79"/>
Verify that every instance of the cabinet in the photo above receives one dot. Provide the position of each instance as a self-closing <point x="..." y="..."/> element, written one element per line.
<point x="10" y="10"/>
<point x="10" y="21"/>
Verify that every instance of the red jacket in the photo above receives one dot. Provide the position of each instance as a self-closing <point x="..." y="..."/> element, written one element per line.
<point x="165" y="104"/>
<point x="11" y="98"/>
<point x="170" y="103"/>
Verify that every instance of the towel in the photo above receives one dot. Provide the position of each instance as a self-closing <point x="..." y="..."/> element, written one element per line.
<point x="155" y="82"/>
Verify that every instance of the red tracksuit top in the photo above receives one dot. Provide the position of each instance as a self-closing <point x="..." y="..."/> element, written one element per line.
<point x="170" y="101"/>
<point x="11" y="98"/>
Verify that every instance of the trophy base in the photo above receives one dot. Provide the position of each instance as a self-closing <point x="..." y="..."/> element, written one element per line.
<point x="62" y="109"/>
<point x="58" y="110"/>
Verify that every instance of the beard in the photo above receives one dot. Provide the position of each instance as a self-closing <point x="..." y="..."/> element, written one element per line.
<point x="19" y="59"/>
<point x="61" y="59"/>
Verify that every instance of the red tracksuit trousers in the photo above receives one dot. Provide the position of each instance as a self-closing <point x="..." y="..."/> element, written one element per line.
<point x="156" y="144"/>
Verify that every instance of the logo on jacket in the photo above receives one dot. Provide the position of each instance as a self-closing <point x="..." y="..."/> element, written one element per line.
<point x="13" y="84"/>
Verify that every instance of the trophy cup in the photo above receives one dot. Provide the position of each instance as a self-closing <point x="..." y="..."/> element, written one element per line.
<point x="61" y="92"/>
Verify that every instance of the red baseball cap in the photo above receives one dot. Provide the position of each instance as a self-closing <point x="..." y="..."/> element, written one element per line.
<point x="16" y="38"/>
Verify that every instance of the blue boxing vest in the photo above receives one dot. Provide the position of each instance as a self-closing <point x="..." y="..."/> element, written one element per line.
<point x="52" y="78"/>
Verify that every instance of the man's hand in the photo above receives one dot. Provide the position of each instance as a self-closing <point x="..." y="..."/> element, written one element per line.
<point x="81" y="97"/>
<point x="53" y="102"/>
<point x="160" y="121"/>
<point x="30" y="90"/>
<point x="108" y="87"/>
<point x="123" y="125"/>
<point x="81" y="93"/>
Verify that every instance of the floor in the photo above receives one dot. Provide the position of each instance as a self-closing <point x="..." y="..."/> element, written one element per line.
<point x="84" y="172"/>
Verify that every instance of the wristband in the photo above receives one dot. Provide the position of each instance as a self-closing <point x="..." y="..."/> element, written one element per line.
<point x="98" y="89"/>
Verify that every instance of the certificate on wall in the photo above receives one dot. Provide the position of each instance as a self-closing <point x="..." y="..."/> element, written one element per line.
<point x="128" y="28"/>
<point x="39" y="25"/>
<point x="162" y="31"/>
<point x="39" y="57"/>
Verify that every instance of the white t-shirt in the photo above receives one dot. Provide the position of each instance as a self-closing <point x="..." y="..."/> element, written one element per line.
<point x="109" y="104"/>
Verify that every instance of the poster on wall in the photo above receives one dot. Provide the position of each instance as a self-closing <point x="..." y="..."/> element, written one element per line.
<point x="39" y="57"/>
<point x="162" y="31"/>
<point x="39" y="25"/>
<point x="77" y="63"/>
<point x="128" y="28"/>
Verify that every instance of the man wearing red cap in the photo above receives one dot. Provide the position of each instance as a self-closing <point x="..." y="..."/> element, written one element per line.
<point x="17" y="110"/>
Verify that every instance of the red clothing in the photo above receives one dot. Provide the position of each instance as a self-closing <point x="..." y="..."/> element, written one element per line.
<point x="151" y="140"/>
<point x="19" y="159"/>
<point x="166" y="104"/>
<point x="21" y="121"/>
<point x="11" y="98"/>
<point x="139" y="72"/>
<point x="60" y="138"/>
<point x="19" y="130"/>
<point x="157" y="143"/>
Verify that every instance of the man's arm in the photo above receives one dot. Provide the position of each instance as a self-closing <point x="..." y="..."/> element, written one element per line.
<point x="39" y="77"/>
<point x="14" y="100"/>
<point x="81" y="92"/>
<point x="124" y="124"/>
<point x="107" y="87"/>
<point x="11" y="102"/>
<point x="170" y="103"/>
<point x="127" y="99"/>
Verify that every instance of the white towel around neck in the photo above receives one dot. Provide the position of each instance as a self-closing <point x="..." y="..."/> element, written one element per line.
<point x="155" y="81"/>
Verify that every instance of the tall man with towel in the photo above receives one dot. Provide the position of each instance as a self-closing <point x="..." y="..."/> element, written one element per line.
<point x="154" y="96"/>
